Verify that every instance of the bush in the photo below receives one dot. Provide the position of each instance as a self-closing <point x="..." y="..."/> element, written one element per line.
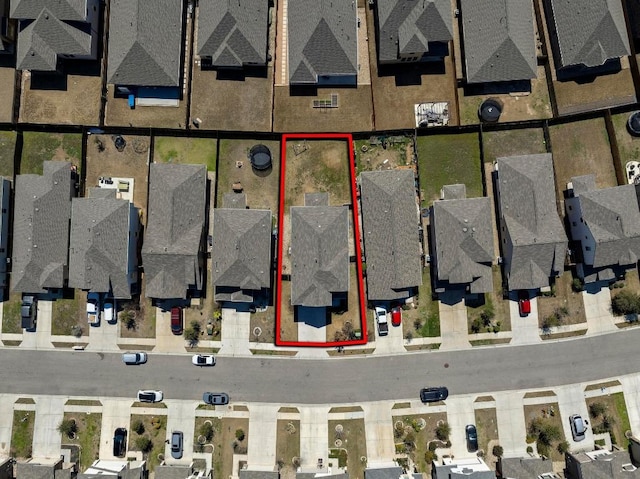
<point x="76" y="331"/>
<point x="597" y="409"/>
<point x="239" y="434"/>
<point x="544" y="431"/>
<point x="128" y="317"/>
<point x="206" y="430"/>
<point x="498" y="451"/>
<point x="563" y="447"/>
<point x="144" y="444"/>
<point x="443" y="430"/>
<point x="476" y="325"/>
<point x="625" y="302"/>
<point x="577" y="285"/>
<point x="138" y="427"/>
<point x="68" y="427"/>
<point x="551" y="321"/>
<point x="529" y="450"/>
<point x="192" y="333"/>
<point x="430" y="456"/>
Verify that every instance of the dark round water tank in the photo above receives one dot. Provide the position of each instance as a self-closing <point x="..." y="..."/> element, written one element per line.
<point x="260" y="157"/>
<point x="633" y="124"/>
<point x="490" y="110"/>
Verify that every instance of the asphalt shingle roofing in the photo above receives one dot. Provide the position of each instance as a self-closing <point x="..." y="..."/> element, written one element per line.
<point x="69" y="10"/>
<point x="233" y="32"/>
<point x="589" y="32"/>
<point x="407" y="26"/>
<point x="322" y="39"/>
<point x="145" y="43"/>
<point x="499" y="43"/>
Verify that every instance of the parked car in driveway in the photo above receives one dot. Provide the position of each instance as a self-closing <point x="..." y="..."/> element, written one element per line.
<point x="150" y="396"/>
<point x="396" y="316"/>
<point x="29" y="312"/>
<point x="176" y="444"/>
<point x="134" y="358"/>
<point x="120" y="442"/>
<point x="93" y="309"/>
<point x="434" y="394"/>
<point x="381" y="321"/>
<point x="109" y="311"/>
<point x="215" y="398"/>
<point x="203" y="360"/>
<point x="176" y="320"/>
<point x="472" y="437"/>
<point x="578" y="427"/>
<point x="524" y="303"/>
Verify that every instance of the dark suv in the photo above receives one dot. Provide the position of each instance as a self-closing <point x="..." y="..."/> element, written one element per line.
<point x="434" y="394"/>
<point x="120" y="442"/>
<point x="28" y="312"/>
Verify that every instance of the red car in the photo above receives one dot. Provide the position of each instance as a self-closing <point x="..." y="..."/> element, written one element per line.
<point x="396" y="316"/>
<point x="524" y="304"/>
<point x="176" y="320"/>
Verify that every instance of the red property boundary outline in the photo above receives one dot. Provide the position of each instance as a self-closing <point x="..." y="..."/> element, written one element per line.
<point x="356" y="231"/>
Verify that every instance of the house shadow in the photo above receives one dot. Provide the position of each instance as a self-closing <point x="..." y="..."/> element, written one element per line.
<point x="452" y="297"/>
<point x="595" y="287"/>
<point x="581" y="74"/>
<point x="314" y="317"/>
<point x="237" y="74"/>
<point x="49" y="81"/>
<point x="410" y="74"/>
<point x="7" y="61"/>
<point x="498" y="88"/>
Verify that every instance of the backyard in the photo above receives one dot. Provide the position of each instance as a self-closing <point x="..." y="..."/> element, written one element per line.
<point x="628" y="145"/>
<point x="7" y="151"/>
<point x="22" y="433"/>
<point x="526" y="141"/>
<point x="148" y="434"/>
<point x="190" y="151"/>
<point x="87" y="436"/>
<point x="347" y="444"/>
<point x="40" y="147"/>
<point x="232" y="439"/>
<point x="380" y="153"/>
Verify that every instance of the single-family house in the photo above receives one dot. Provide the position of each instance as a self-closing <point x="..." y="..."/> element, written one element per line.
<point x="146" y="41"/>
<point x="173" y="249"/>
<point x="179" y="471"/>
<point x="41" y="222"/>
<point x="602" y="463"/>
<point x="322" y="42"/>
<point x="586" y="33"/>
<point x="5" y="215"/>
<point x="241" y="256"/>
<point x="391" y="233"/>
<point x="473" y="468"/>
<point x="8" y="28"/>
<point x="103" y="255"/>
<point x="498" y="40"/>
<point x="233" y="34"/>
<point x="606" y="224"/>
<point x="413" y="30"/>
<point x="525" y="468"/>
<point x="319" y="253"/>
<point x="254" y="474"/>
<point x="462" y="242"/>
<point x="44" y="469"/>
<point x="115" y="470"/>
<point x="533" y="240"/>
<point x="50" y="31"/>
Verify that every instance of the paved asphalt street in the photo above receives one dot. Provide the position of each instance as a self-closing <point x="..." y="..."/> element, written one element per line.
<point x="349" y="379"/>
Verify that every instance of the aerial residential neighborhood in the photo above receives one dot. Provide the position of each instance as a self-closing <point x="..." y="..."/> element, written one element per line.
<point x="304" y="239"/>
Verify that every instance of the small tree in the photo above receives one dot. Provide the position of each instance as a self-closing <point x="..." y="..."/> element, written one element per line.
<point x="625" y="302"/>
<point x="128" y="317"/>
<point x="68" y="427"/>
<point x="563" y="447"/>
<point x="430" y="457"/>
<point x="192" y="333"/>
<point x="144" y="444"/>
<point x="498" y="451"/>
<point x="239" y="434"/>
<point x="577" y="285"/>
<point x="207" y="431"/>
<point x="138" y="427"/>
<point x="443" y="430"/>
<point x="597" y="409"/>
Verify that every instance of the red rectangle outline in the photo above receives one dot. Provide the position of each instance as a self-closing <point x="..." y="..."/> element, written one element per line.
<point x="356" y="231"/>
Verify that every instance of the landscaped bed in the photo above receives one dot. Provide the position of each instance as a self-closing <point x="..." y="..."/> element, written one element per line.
<point x="416" y="437"/>
<point x="86" y="435"/>
<point x="148" y="434"/>
<point x="608" y="413"/>
<point x="204" y="433"/>
<point x="562" y="306"/>
<point x="22" y="434"/>
<point x="544" y="427"/>
<point x="347" y="444"/>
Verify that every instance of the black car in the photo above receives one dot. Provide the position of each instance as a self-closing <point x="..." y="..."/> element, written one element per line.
<point x="472" y="438"/>
<point x="120" y="442"/>
<point x="434" y="394"/>
<point x="215" y="398"/>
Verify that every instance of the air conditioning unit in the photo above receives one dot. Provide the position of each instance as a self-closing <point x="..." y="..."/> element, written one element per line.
<point x="499" y="259"/>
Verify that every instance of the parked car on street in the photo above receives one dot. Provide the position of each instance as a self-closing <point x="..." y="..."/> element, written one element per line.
<point x="215" y="398"/>
<point x="203" y="360"/>
<point x="176" y="320"/>
<point x="29" y="312"/>
<point x="93" y="309"/>
<point x="434" y="394"/>
<point x="396" y="316"/>
<point x="150" y="396"/>
<point x="120" y="442"/>
<point x="176" y="444"/>
<point x="472" y="437"/>
<point x="134" y="358"/>
<point x="578" y="427"/>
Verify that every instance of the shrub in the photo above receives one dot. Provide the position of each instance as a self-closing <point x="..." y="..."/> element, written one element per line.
<point x="207" y="430"/>
<point x="144" y="444"/>
<point x="551" y="321"/>
<point x="239" y="434"/>
<point x="138" y="427"/>
<point x="608" y="422"/>
<point x="596" y="409"/>
<point x="577" y="285"/>
<point x="443" y="430"/>
<point x="68" y="427"/>
<point x="625" y="302"/>
<point x="529" y="450"/>
<point x="128" y="317"/>
<point x="430" y="456"/>
<point x="476" y="325"/>
<point x="563" y="447"/>
<point x="498" y="451"/>
<point x="76" y="331"/>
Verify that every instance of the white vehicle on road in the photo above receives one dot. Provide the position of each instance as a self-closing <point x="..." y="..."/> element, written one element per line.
<point x="203" y="360"/>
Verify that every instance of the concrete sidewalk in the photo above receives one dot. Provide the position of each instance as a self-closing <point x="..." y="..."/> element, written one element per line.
<point x="46" y="438"/>
<point x="262" y="440"/>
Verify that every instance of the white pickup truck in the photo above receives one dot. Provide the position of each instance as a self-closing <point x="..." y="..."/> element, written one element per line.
<point x="93" y="309"/>
<point x="381" y="321"/>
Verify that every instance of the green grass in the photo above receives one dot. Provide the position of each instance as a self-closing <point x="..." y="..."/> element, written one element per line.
<point x="22" y="433"/>
<point x="428" y="308"/>
<point x="7" y="149"/>
<point x="65" y="316"/>
<point x="11" y="322"/>
<point x="446" y="160"/>
<point x="40" y="147"/>
<point x="89" y="440"/>
<point x="623" y="416"/>
<point x="200" y="151"/>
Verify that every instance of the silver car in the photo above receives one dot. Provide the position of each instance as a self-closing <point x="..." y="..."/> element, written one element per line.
<point x="578" y="427"/>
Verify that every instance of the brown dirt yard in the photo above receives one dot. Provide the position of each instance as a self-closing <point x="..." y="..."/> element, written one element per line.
<point x="371" y="156"/>
<point x="497" y="144"/>
<point x="564" y="297"/>
<point x="118" y="113"/>
<point x="226" y="444"/>
<point x="7" y="78"/>
<point x="542" y="411"/>
<point x="287" y="446"/>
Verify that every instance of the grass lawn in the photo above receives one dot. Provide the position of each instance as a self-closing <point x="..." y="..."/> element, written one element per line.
<point x="22" y="433"/>
<point x="226" y="443"/>
<point x="628" y="146"/>
<point x="68" y="313"/>
<point x="348" y="436"/>
<point x="200" y="428"/>
<point x="446" y="160"/>
<point x="497" y="144"/>
<point x="487" y="426"/>
<point x="564" y="303"/>
<point x="145" y="314"/>
<point x="201" y="151"/>
<point x="489" y="314"/>
<point x="425" y="320"/>
<point x="87" y="436"/>
<point x="155" y="428"/>
<point x="287" y="444"/>
<point x="7" y="149"/>
<point x="413" y="435"/>
<point x="40" y="147"/>
<point x="615" y="409"/>
<point x="11" y="321"/>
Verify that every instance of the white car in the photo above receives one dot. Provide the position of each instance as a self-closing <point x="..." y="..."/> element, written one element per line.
<point x="150" y="396"/>
<point x="108" y="312"/>
<point x="203" y="360"/>
<point x="93" y="309"/>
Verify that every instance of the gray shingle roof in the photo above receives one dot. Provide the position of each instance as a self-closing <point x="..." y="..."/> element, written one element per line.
<point x="319" y="254"/>
<point x="528" y="211"/>
<point x="390" y="230"/>
<point x="383" y="473"/>
<point x="408" y="26"/>
<point x="99" y="250"/>
<point x="32" y="470"/>
<point x="463" y="242"/>
<point x="606" y="466"/>
<point x="525" y="468"/>
<point x="499" y="43"/>
<point x="172" y="471"/>
<point x="458" y="471"/>
<point x="248" y="474"/>
<point x="241" y="257"/>
<point x="69" y="10"/>
<point x="588" y="32"/>
<point x="145" y="42"/>
<point x="233" y="33"/>
<point x="172" y="244"/>
<point x="322" y="39"/>
<point x="41" y="229"/>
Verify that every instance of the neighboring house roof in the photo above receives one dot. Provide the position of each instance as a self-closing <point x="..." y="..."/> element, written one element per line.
<point x="173" y="238"/>
<point x="499" y="43"/>
<point x="463" y="468"/>
<point x="613" y="217"/>
<point x="383" y="473"/>
<point x="319" y="254"/>
<point x="145" y="43"/>
<point x="42" y="210"/>
<point x="99" y="250"/>
<point x="408" y="26"/>
<point x="528" y="209"/>
<point x="390" y="229"/>
<point x="589" y="32"/>
<point x="241" y="260"/>
<point x="464" y="242"/>
<point x="68" y="10"/>
<point x="248" y="474"/>
<point x="233" y="33"/>
<point x="605" y="465"/>
<point x="525" y="468"/>
<point x="322" y="39"/>
<point x="173" y="471"/>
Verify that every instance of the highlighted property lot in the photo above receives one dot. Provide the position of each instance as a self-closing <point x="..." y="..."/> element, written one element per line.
<point x="320" y="292"/>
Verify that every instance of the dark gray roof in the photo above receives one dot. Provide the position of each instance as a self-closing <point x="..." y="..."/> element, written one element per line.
<point x="40" y="43"/>
<point x="463" y="242"/>
<point x="383" y="473"/>
<point x="319" y="254"/>
<point x="247" y="474"/>
<point x="454" y="192"/>
<point x="606" y="466"/>
<point x="525" y="468"/>
<point x="35" y="470"/>
<point x="145" y="42"/>
<point x="241" y="260"/>
<point x="323" y="475"/>
<point x="390" y="229"/>
<point x="173" y="471"/>
<point x="233" y="33"/>
<point x="41" y="229"/>
<point x="499" y="43"/>
<point x="408" y="26"/>
<point x="528" y="210"/>
<point x="173" y="238"/>
<point x="99" y="250"/>
<point x="234" y="200"/>
<point x="322" y="39"/>
<point x="456" y="471"/>
<point x="589" y="32"/>
<point x="70" y="10"/>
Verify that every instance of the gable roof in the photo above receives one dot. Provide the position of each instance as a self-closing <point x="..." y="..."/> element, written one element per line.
<point x="589" y="32"/>
<point x="241" y="253"/>
<point x="145" y="42"/>
<point x="463" y="242"/>
<point x="394" y="472"/>
<point x="322" y="39"/>
<point x="499" y="43"/>
<point x="525" y="468"/>
<point x="171" y="250"/>
<point x="319" y="254"/>
<point x="408" y="26"/>
<point x="42" y="210"/>
<point x="528" y="210"/>
<point x="233" y="33"/>
<point x="173" y="471"/>
<point x="390" y="230"/>
<point x="99" y="250"/>
<point x="67" y="10"/>
<point x="602" y="464"/>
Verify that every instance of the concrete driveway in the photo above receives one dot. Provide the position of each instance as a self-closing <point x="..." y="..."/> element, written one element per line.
<point x="525" y="330"/>
<point x="235" y="333"/>
<point x="597" y="308"/>
<point x="46" y="438"/>
<point x="314" y="435"/>
<point x="115" y="413"/>
<point x="460" y="412"/>
<point x="571" y="400"/>
<point x="511" y="423"/>
<point x="181" y="416"/>
<point x="166" y="341"/>
<point x="379" y="434"/>
<point x="454" y="329"/>
<point x="262" y="440"/>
